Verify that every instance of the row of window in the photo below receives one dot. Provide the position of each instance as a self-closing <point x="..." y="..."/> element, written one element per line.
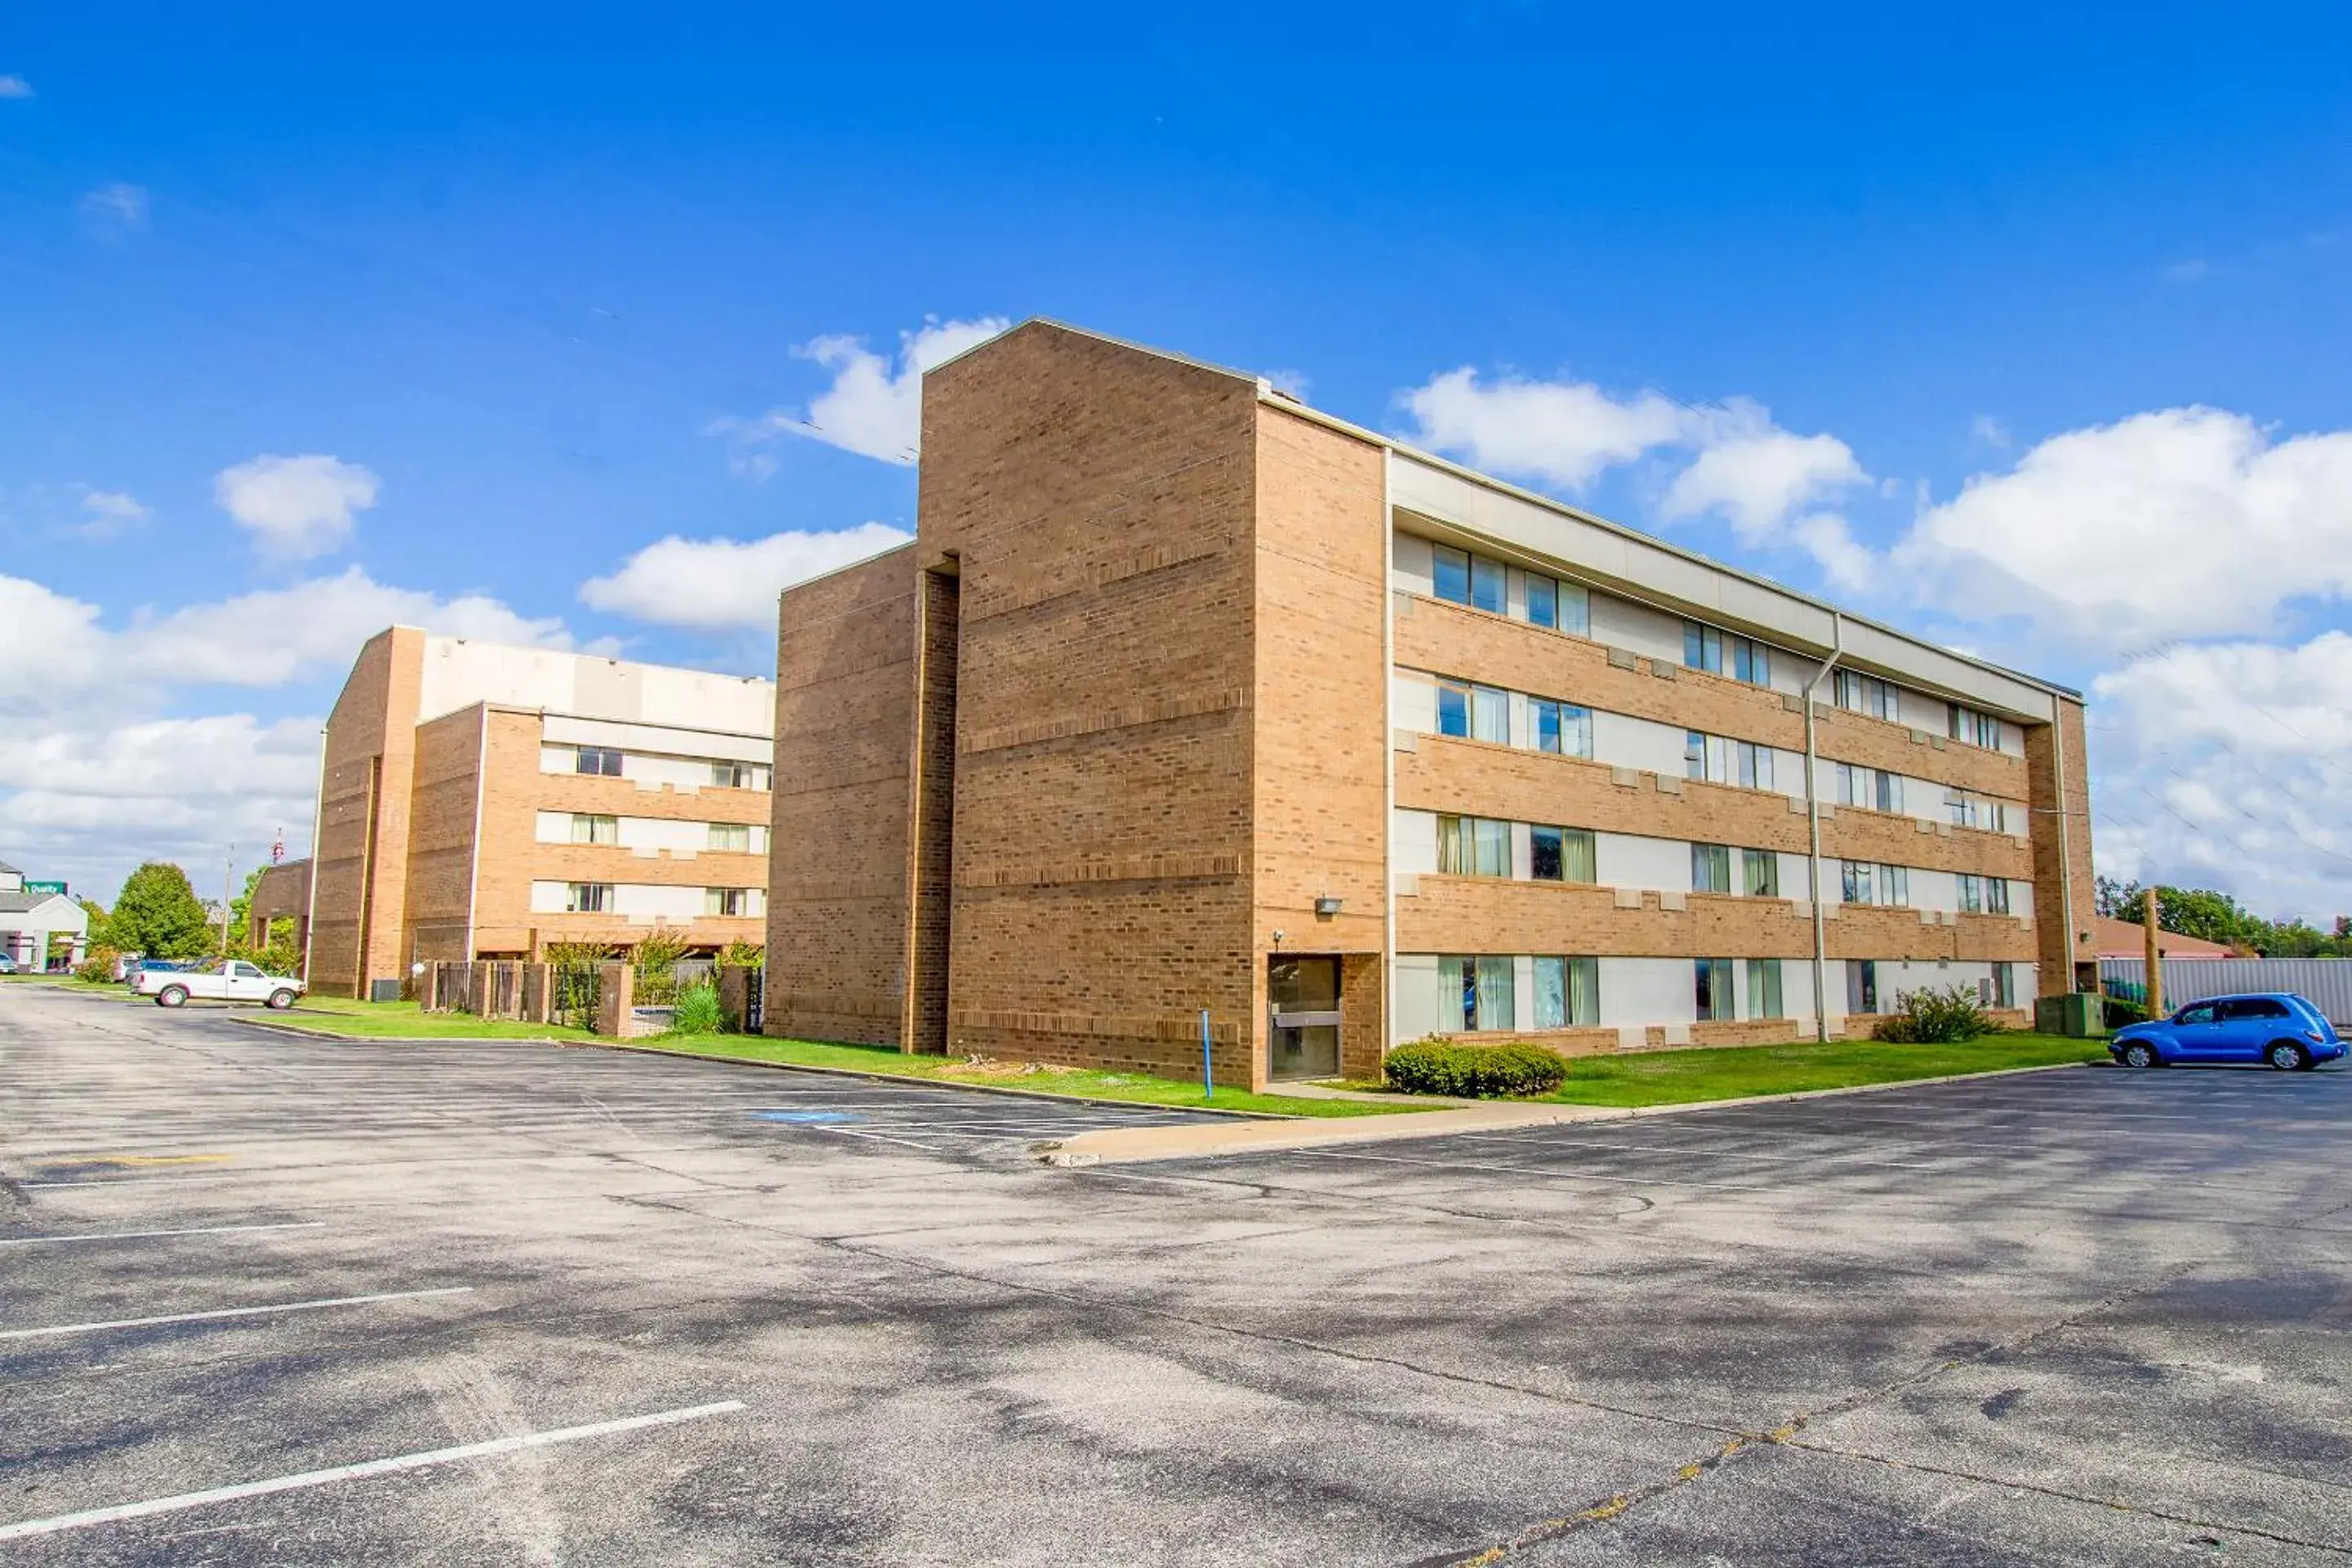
<point x="1720" y="760"/>
<point x="605" y="761"/>
<point x="1483" y="582"/>
<point x="1480" y="990"/>
<point x="590" y="829"/>
<point x="1481" y="846"/>
<point x="597" y="898"/>
<point x="1473" y="712"/>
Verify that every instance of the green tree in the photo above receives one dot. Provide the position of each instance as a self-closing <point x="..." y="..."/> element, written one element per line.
<point x="157" y="914"/>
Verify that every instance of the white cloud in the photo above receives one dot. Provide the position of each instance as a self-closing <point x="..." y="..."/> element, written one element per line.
<point x="62" y="656"/>
<point x="1291" y="382"/>
<point x="2185" y="522"/>
<point x="1560" y="433"/>
<point x="2230" y="765"/>
<point x="15" y="87"/>
<point x="109" y="514"/>
<point x="296" y="508"/>
<point x="714" y="584"/>
<point x="119" y="206"/>
<point x="874" y="407"/>
<point x="1990" y="432"/>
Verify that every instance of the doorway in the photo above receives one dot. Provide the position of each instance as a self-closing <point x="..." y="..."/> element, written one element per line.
<point x="1303" y="994"/>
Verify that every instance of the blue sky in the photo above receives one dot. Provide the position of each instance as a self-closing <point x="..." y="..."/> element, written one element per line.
<point x="2045" y="317"/>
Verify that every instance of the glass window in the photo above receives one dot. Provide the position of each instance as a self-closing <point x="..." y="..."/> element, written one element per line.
<point x="1568" y="992"/>
<point x="1457" y="993"/>
<point x="1755" y="766"/>
<point x="1974" y="728"/>
<point x="726" y="900"/>
<point x="1451" y="576"/>
<point x="1971" y="894"/>
<point x="1890" y="791"/>
<point x="737" y="775"/>
<point x="1546" y="858"/>
<point x="1710" y="868"/>
<point x="1544" y="715"/>
<point x="1561" y="727"/>
<point x="1490" y="715"/>
<point x="1543" y="599"/>
<point x="1707" y="757"/>
<point x="1861" y="985"/>
<point x="1453" y="709"/>
<point x="1854" y="883"/>
<point x="588" y="830"/>
<point x="1895" y="886"/>
<point x="1867" y="694"/>
<point x="731" y="835"/>
<point x="1760" y="875"/>
<point x="588" y="898"/>
<point x="1576" y="855"/>
<point x="1486" y="585"/>
<point x="1575" y="609"/>
<point x="1487" y="994"/>
<point x="1713" y="987"/>
<point x="1751" y="662"/>
<point x="602" y="760"/>
<point x="1453" y="847"/>
<point x="1764" y="988"/>
<point x="1996" y="895"/>
<point x="1701" y="648"/>
<point x="1491" y="844"/>
<point x="1552" y="992"/>
<point x="2201" y="1012"/>
<point x="2004" y="985"/>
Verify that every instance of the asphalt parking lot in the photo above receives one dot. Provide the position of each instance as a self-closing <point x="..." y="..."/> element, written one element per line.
<point x="276" y="1300"/>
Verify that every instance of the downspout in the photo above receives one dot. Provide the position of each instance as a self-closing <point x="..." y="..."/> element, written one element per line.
<point x="311" y="900"/>
<point x="1813" y="830"/>
<point x="481" y="781"/>
<point x="1388" y="753"/>
<point x="2065" y="852"/>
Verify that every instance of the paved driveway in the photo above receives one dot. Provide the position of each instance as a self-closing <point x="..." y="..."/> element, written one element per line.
<point x="561" y="1306"/>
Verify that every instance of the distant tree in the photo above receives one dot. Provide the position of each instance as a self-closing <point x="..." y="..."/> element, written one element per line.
<point x="157" y="914"/>
<point x="98" y="936"/>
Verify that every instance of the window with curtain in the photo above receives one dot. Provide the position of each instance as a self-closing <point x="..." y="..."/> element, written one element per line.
<point x="731" y="835"/>
<point x="1895" y="886"/>
<point x="1561" y="727"/>
<point x="1543" y="599"/>
<point x="1971" y="894"/>
<point x="1490" y="715"/>
<point x="2004" y="985"/>
<point x="1451" y="573"/>
<point x="1490" y="848"/>
<point x="1996" y="895"/>
<point x="1568" y="992"/>
<point x="587" y="829"/>
<point x="1862" y="693"/>
<point x="1759" y="874"/>
<point x="1764" y="988"/>
<point x="1701" y="648"/>
<point x="1755" y="764"/>
<point x="1751" y="662"/>
<point x="1575" y="609"/>
<point x="1486" y="585"/>
<point x="1493" y="1005"/>
<point x="1561" y="854"/>
<point x="1710" y="868"/>
<point x="1854" y="882"/>
<point x="1712" y="988"/>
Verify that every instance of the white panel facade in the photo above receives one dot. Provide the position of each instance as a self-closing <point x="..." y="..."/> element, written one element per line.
<point x="1414" y="1005"/>
<point x="1638" y="628"/>
<point x="1412" y="842"/>
<point x="1640" y="990"/>
<point x="1627" y="743"/>
<point x="1625" y="860"/>
<point x="1415" y="572"/>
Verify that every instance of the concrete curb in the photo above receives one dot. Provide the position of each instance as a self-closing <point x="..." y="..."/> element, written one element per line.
<point x="1113" y="1146"/>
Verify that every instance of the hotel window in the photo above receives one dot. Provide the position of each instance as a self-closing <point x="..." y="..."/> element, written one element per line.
<point x="1971" y="894"/>
<point x="1466" y="579"/>
<point x="587" y="829"/>
<point x="1873" y="789"/>
<point x="1568" y="992"/>
<point x="1561" y="854"/>
<point x="1474" y="846"/>
<point x="1867" y="694"/>
<point x="1710" y="868"/>
<point x="726" y="900"/>
<point x="1722" y="653"/>
<point x="736" y="775"/>
<point x="1864" y="883"/>
<point x="1474" y="712"/>
<point x="587" y="897"/>
<point x="1561" y="727"/>
<point x="1563" y="606"/>
<point x="1719" y="761"/>
<point x="2004" y="985"/>
<point x="1996" y="894"/>
<point x="1712" y="988"/>
<point x="735" y="836"/>
<point x="602" y="760"/>
<point x="1764" y="988"/>
<point x="1973" y="727"/>
<point x="1977" y="811"/>
<point x="1861" y="985"/>
<point x="1477" y="993"/>
<point x="1760" y="875"/>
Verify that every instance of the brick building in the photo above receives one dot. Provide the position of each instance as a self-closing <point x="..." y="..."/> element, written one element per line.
<point x="1188" y="697"/>
<point x="478" y="801"/>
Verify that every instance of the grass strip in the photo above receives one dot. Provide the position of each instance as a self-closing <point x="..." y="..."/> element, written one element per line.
<point x="1732" y="1072"/>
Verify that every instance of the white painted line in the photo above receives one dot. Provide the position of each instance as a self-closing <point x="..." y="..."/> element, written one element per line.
<point x="233" y="1312"/>
<point x="129" y="1181"/>
<point x="142" y="1234"/>
<point x="153" y="1506"/>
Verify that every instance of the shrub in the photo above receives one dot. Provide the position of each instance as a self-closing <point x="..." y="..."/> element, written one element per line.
<point x="1439" y="1066"/>
<point x="1927" y="1017"/>
<point x="573" y="973"/>
<point x="2122" y="1010"/>
<point x="98" y="967"/>
<point x="742" y="955"/>
<point x="695" y="1011"/>
<point x="656" y="957"/>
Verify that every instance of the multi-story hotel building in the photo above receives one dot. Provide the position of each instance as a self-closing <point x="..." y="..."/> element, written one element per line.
<point x="478" y="800"/>
<point x="1188" y="697"/>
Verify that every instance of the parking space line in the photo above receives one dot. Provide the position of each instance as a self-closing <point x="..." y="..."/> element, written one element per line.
<point x="130" y="1181"/>
<point x="142" y="1234"/>
<point x="393" y="1466"/>
<point x="1534" y="1170"/>
<point x="233" y="1312"/>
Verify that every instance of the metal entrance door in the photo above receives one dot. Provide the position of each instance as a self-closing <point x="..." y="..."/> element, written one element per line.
<point x="1304" y="993"/>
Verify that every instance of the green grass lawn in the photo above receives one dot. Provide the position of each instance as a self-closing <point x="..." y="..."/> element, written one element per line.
<point x="405" y="1021"/>
<point x="1678" y="1077"/>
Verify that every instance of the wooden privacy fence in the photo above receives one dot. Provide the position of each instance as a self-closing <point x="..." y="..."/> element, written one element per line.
<point x="601" y="998"/>
<point x="490" y="988"/>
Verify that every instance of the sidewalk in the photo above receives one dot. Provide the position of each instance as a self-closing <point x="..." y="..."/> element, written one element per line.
<point x="1125" y="1145"/>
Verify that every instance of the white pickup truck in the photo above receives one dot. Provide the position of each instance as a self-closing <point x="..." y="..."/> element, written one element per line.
<point x="230" y="980"/>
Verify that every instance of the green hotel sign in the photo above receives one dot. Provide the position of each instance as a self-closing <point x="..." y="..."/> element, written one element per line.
<point x="56" y="888"/>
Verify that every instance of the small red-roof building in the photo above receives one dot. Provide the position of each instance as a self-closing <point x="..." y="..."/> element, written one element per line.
<point x="2126" y="939"/>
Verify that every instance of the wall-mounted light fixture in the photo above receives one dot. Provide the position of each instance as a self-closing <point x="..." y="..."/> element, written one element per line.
<point x="1325" y="907"/>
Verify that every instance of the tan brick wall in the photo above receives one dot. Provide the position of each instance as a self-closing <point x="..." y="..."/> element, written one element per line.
<point x="282" y="893"/>
<point x="2061" y="950"/>
<point x="363" y="850"/>
<point x="838" y="904"/>
<point x="1098" y="501"/>
<point x="931" y="851"/>
<point x="444" y="785"/>
<point x="1320" y="760"/>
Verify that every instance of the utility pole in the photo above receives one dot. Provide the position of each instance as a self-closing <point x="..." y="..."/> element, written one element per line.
<point x="228" y="880"/>
<point x="2155" y="959"/>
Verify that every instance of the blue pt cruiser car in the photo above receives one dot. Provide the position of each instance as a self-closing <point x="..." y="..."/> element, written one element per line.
<point x="2278" y="1027"/>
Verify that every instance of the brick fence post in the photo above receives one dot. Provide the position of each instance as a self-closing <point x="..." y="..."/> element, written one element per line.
<point x="616" y="997"/>
<point x="734" y="997"/>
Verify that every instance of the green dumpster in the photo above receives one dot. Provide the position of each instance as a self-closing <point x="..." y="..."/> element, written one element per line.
<point x="2077" y="1015"/>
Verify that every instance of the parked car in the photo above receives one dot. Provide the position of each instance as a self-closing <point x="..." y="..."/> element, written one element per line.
<point x="230" y="980"/>
<point x="2278" y="1027"/>
<point x="129" y="969"/>
<point x="7" y="964"/>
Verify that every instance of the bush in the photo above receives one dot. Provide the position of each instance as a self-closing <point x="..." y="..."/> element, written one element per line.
<point x="1926" y="1017"/>
<point x="695" y="1011"/>
<point x="1438" y="1066"/>
<point x="656" y="955"/>
<point x="742" y="955"/>
<point x="98" y="967"/>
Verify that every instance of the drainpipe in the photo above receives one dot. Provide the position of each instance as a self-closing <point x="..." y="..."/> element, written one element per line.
<point x="1814" y="828"/>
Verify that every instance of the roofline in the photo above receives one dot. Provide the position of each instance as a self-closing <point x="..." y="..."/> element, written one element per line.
<point x="565" y="653"/>
<point x="1169" y="355"/>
